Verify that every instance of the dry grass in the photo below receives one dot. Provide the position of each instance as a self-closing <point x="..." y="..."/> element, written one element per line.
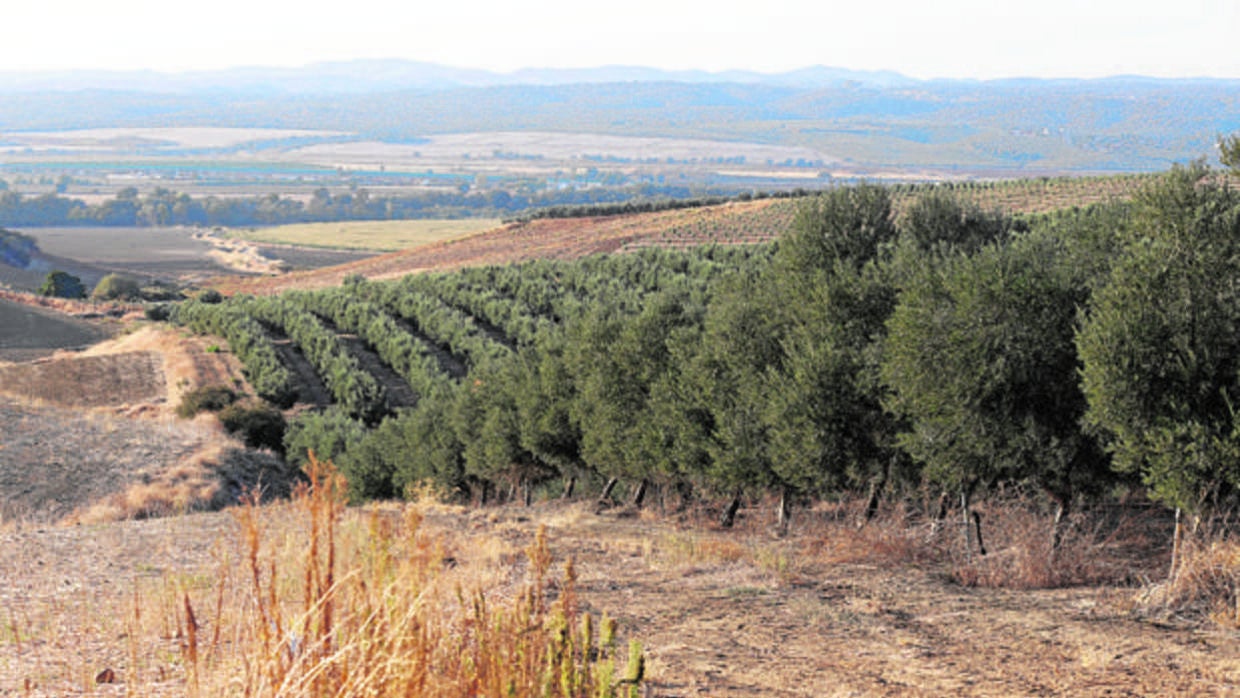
<point x="370" y="603"/>
<point x="1205" y="584"/>
<point x="721" y="613"/>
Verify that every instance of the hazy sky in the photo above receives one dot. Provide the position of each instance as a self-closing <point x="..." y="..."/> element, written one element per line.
<point x="922" y="38"/>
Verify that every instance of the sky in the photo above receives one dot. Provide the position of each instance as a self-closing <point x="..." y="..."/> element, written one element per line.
<point x="920" y="38"/>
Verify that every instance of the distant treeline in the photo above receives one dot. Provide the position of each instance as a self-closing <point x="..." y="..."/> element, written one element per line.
<point x="165" y="207"/>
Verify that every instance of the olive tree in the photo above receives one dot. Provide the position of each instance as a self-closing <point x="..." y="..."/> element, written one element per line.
<point x="1160" y="344"/>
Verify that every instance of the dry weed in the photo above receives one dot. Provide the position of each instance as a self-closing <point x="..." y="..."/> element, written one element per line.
<point x="1102" y="546"/>
<point x="1205" y="584"/>
<point x="373" y="603"/>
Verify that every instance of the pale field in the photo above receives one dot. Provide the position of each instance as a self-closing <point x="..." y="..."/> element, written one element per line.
<point x="367" y="235"/>
<point x="120" y="139"/>
<point x="542" y="150"/>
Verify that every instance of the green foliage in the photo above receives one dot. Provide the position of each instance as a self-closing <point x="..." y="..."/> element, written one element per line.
<point x="328" y="434"/>
<point x="1161" y="342"/>
<point x="854" y="353"/>
<point x="271" y="380"/>
<point x="117" y="287"/>
<point x="939" y="221"/>
<point x="258" y="425"/>
<point x="980" y="361"/>
<point x="209" y="398"/>
<point x="849" y="223"/>
<point x="829" y="430"/>
<point x="210" y="296"/>
<point x="353" y="388"/>
<point x="62" y="284"/>
<point x="158" y="312"/>
<point x="1229" y="152"/>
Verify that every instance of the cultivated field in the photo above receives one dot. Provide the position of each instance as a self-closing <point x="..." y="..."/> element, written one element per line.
<point x="739" y="222"/>
<point x="28" y="332"/>
<point x="384" y="236"/>
<point x="200" y="604"/>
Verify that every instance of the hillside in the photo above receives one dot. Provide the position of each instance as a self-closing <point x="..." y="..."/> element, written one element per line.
<point x="833" y="603"/>
<point x="565" y="238"/>
<point x="90" y="435"/>
<point x="738" y="222"/>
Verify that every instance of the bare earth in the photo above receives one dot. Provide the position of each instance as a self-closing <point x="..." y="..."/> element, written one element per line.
<point x="719" y="613"/>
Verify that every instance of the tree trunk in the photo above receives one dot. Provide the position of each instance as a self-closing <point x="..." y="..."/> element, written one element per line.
<point x="1176" y="541"/>
<point x="966" y="525"/>
<point x="1061" y="512"/>
<point x="729" y="514"/>
<point x="784" y="517"/>
<point x="940" y="515"/>
<point x="527" y="492"/>
<point x="605" y="497"/>
<point x="871" y="502"/>
<point x="570" y="484"/>
<point x="977" y="526"/>
<point x="639" y="495"/>
<point x="684" y="491"/>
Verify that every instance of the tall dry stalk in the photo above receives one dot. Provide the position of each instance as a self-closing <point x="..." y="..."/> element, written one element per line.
<point x="371" y="607"/>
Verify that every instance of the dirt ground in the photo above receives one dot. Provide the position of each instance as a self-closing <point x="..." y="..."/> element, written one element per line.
<point x="720" y="613"/>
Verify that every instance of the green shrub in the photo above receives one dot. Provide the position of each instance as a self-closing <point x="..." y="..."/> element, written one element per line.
<point x="159" y="312"/>
<point x="210" y="296"/>
<point x="117" y="287"/>
<point x="209" y="398"/>
<point x="257" y="424"/>
<point x="62" y="284"/>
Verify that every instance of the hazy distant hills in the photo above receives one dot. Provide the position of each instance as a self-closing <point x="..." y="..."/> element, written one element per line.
<point x="868" y="120"/>
<point x="351" y="77"/>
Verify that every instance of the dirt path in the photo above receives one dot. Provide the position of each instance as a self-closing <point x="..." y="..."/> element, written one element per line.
<point x="310" y="388"/>
<point x="399" y="393"/>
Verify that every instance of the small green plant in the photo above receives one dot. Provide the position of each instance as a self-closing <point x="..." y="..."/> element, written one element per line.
<point x="212" y="349"/>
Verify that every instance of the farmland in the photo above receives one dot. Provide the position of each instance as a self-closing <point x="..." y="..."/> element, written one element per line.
<point x="27" y="332"/>
<point x="385" y="236"/>
<point x="528" y="364"/>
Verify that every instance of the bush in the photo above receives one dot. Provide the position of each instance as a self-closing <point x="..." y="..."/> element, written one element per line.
<point x="159" y="312"/>
<point x="117" y="287"/>
<point x="209" y="398"/>
<point x="210" y="296"/>
<point x="258" y="425"/>
<point x="62" y="284"/>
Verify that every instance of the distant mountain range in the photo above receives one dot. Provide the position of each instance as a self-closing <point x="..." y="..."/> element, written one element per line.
<point x="867" y="120"/>
<point x="352" y="77"/>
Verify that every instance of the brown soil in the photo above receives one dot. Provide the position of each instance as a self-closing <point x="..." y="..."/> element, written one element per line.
<point x="564" y="238"/>
<point x="88" y="381"/>
<point x="91" y="435"/>
<point x="719" y="613"/>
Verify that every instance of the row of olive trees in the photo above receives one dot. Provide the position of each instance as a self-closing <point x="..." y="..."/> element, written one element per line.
<point x="949" y="349"/>
<point x="955" y="348"/>
<point x="266" y="373"/>
<point x="352" y="387"/>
